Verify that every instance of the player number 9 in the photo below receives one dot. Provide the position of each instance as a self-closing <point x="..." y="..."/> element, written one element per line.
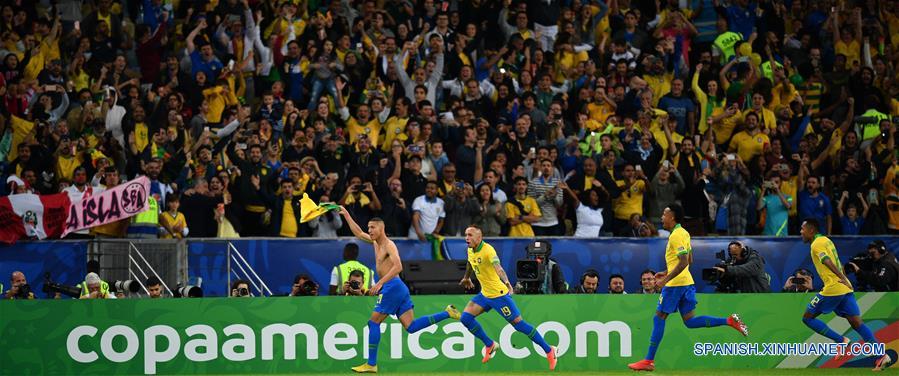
<point x="506" y="311"/>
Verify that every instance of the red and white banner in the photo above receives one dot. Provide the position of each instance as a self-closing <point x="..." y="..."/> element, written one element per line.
<point x="123" y="201"/>
<point x="29" y="215"/>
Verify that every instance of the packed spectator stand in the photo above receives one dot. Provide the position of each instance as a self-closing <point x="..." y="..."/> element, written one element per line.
<point x="528" y="118"/>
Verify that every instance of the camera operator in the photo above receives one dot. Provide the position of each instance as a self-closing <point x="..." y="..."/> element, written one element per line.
<point x="588" y="284"/>
<point x="878" y="269"/>
<point x="744" y="271"/>
<point x="303" y="285"/>
<point x="553" y="281"/>
<point x="241" y="289"/>
<point x="355" y="285"/>
<point x="19" y="288"/>
<point x="800" y="281"/>
<point x="154" y="287"/>
<point x="95" y="288"/>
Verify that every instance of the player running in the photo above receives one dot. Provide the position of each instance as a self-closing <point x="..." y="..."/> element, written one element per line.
<point x="837" y="295"/>
<point x="496" y="293"/>
<point x="393" y="295"/>
<point x="678" y="293"/>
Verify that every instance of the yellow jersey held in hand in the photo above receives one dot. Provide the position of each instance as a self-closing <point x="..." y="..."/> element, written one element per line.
<point x="678" y="244"/>
<point x="483" y="260"/>
<point x="822" y="248"/>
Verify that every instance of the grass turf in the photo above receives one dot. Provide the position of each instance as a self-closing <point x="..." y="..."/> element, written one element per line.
<point x="709" y="372"/>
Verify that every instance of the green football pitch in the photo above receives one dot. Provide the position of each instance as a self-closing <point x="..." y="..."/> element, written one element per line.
<point x="710" y="372"/>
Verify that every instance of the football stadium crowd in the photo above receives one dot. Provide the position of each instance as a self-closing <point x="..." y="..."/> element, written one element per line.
<point x="525" y="117"/>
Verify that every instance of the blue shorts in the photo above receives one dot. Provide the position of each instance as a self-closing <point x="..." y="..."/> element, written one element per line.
<point x="677" y="298"/>
<point x="502" y="304"/>
<point x="843" y="305"/>
<point x="394" y="298"/>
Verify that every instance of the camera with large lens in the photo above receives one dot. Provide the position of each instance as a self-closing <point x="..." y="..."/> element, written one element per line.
<point x="863" y="260"/>
<point x="717" y="278"/>
<point x="51" y="287"/>
<point x="355" y="285"/>
<point x="243" y="291"/>
<point x="531" y="272"/>
<point x="187" y="291"/>
<point x="24" y="292"/>
<point x="126" y="286"/>
<point x="310" y="288"/>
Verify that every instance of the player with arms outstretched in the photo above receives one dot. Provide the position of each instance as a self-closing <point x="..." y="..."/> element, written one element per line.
<point x="837" y="295"/>
<point x="393" y="295"/>
<point x="678" y="293"/>
<point x="496" y="293"/>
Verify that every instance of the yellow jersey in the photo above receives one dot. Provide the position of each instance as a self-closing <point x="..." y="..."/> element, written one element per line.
<point x="177" y="220"/>
<point x="372" y="129"/>
<point x="522" y="229"/>
<point x="288" y="221"/>
<point x="748" y="146"/>
<point x="790" y="187"/>
<point x="483" y="261"/>
<point x="822" y="248"/>
<point x="631" y="200"/>
<point x="678" y="244"/>
<point x="393" y="128"/>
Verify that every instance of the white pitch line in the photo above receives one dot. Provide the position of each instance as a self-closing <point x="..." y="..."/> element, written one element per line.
<point x="838" y="324"/>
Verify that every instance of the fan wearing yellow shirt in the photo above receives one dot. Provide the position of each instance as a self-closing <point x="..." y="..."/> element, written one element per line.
<point x="363" y="124"/>
<point x="496" y="294"/>
<point x="396" y="124"/>
<point x="172" y="220"/>
<point x="837" y="295"/>
<point x="522" y="210"/>
<point x="68" y="160"/>
<point x="678" y="293"/>
<point x="630" y="202"/>
<point x="751" y="141"/>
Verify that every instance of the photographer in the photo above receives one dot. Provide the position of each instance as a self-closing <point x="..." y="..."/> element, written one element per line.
<point x="95" y="288"/>
<point x="154" y="287"/>
<point x="744" y="271"/>
<point x="800" y="281"/>
<point x="19" y="288"/>
<point x="878" y="270"/>
<point x="303" y="285"/>
<point x="340" y="274"/>
<point x="355" y="285"/>
<point x="241" y="289"/>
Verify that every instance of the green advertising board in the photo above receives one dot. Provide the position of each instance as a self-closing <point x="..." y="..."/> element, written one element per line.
<point x="329" y="334"/>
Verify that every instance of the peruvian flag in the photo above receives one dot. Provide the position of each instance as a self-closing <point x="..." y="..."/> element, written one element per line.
<point x="29" y="215"/>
